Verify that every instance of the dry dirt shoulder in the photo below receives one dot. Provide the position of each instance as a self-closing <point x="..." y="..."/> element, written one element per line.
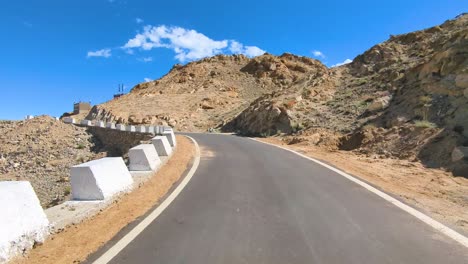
<point x="77" y="242"/>
<point x="436" y="192"/>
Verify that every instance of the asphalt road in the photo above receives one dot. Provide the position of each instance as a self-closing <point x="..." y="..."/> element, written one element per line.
<point x="253" y="203"/>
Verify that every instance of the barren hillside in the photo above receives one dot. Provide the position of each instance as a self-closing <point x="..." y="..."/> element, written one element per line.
<point x="405" y="98"/>
<point x="42" y="150"/>
<point x="210" y="92"/>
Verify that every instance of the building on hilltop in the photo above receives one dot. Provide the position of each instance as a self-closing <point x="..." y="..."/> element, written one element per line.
<point x="81" y="107"/>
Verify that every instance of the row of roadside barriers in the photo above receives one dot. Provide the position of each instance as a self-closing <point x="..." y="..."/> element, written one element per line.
<point x="24" y="222"/>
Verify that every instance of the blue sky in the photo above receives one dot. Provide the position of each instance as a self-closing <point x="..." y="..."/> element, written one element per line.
<point x="56" y="52"/>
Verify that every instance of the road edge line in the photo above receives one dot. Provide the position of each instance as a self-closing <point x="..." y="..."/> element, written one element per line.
<point x="463" y="240"/>
<point x="130" y="236"/>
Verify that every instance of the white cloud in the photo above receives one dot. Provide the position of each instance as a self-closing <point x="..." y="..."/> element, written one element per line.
<point x="251" y="51"/>
<point x="318" y="53"/>
<point x="139" y="20"/>
<point x="106" y="53"/>
<point x="342" y="63"/>
<point x="236" y="47"/>
<point x="186" y="43"/>
<point x="147" y="59"/>
<point x="148" y="80"/>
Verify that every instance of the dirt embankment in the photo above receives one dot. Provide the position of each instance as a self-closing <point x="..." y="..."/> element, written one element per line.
<point x="434" y="191"/>
<point x="75" y="243"/>
<point x="42" y="150"/>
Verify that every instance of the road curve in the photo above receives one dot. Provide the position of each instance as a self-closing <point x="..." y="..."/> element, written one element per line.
<point x="253" y="203"/>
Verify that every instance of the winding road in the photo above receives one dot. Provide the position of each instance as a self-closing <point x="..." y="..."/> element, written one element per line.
<point x="249" y="202"/>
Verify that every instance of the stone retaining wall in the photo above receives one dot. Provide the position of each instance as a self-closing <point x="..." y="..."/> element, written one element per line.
<point x="117" y="142"/>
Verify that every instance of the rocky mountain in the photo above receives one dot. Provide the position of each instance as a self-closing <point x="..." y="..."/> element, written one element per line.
<point x="209" y="92"/>
<point x="406" y="98"/>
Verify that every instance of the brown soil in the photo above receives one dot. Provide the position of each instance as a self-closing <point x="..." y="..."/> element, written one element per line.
<point x="42" y="150"/>
<point x="75" y="243"/>
<point x="436" y="192"/>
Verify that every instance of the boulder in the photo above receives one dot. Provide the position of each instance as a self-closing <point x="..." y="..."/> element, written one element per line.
<point x="380" y="103"/>
<point x="206" y="105"/>
<point x="100" y="179"/>
<point x="459" y="153"/>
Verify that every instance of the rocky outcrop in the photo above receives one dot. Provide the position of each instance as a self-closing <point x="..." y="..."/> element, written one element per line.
<point x="98" y="113"/>
<point x="261" y="118"/>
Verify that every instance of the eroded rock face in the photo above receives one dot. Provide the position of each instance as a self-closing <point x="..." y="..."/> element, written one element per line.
<point x="262" y="118"/>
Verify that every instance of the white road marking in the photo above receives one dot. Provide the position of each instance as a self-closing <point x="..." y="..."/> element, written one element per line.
<point x="123" y="242"/>
<point x="426" y="219"/>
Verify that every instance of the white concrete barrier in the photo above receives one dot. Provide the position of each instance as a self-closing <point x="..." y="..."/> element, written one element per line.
<point x="120" y="127"/>
<point x="141" y="129"/>
<point x="22" y="220"/>
<point x="100" y="124"/>
<point x="100" y="179"/>
<point x="131" y="128"/>
<point x="69" y="120"/>
<point x="86" y="122"/>
<point x="143" y="158"/>
<point x="170" y="137"/>
<point x="162" y="146"/>
<point x="150" y="129"/>
<point x="110" y="125"/>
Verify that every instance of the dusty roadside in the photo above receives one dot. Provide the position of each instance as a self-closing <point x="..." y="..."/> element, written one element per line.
<point x="75" y="243"/>
<point x="435" y="192"/>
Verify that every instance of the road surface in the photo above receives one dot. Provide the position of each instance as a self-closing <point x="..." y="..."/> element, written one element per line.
<point x="253" y="203"/>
